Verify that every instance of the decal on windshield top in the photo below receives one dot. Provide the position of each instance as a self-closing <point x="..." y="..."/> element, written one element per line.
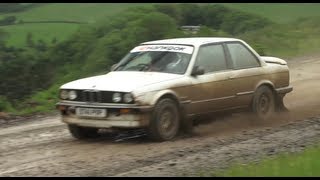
<point x="173" y="48"/>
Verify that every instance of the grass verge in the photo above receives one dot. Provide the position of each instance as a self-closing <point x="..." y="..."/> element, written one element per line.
<point x="301" y="164"/>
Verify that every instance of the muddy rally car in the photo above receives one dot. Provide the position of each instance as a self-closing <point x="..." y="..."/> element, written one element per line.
<point x="163" y="86"/>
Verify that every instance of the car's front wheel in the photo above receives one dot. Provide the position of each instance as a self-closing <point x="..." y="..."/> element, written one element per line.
<point x="263" y="104"/>
<point x="82" y="132"/>
<point x="165" y="121"/>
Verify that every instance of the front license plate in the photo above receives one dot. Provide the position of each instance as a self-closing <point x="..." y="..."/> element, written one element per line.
<point x="91" y="112"/>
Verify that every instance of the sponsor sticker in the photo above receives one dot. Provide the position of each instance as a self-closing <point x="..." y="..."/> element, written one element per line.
<point x="173" y="48"/>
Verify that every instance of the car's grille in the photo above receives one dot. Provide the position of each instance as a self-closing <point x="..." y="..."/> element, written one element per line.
<point x="96" y="96"/>
<point x="91" y="96"/>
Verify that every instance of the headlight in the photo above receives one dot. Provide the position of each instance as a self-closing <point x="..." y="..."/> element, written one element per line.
<point x="127" y="98"/>
<point x="116" y="97"/>
<point x="72" y="95"/>
<point x="64" y="94"/>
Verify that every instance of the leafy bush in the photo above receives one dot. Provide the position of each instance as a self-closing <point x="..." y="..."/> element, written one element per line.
<point x="5" y="105"/>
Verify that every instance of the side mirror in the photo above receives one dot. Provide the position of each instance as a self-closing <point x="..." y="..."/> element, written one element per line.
<point x="113" y="66"/>
<point x="197" y="70"/>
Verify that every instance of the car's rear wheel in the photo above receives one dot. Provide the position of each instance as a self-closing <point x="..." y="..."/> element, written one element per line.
<point x="165" y="121"/>
<point x="263" y="104"/>
<point x="83" y="132"/>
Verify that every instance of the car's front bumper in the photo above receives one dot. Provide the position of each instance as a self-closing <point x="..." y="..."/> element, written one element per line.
<point x="137" y="117"/>
<point x="122" y="121"/>
<point x="143" y="108"/>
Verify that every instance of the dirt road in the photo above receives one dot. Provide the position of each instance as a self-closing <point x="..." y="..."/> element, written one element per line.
<point x="44" y="147"/>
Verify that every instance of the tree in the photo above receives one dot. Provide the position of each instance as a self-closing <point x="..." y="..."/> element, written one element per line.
<point x="171" y="10"/>
<point x="191" y="14"/>
<point x="157" y="26"/>
<point x="41" y="45"/>
<point x="214" y="15"/>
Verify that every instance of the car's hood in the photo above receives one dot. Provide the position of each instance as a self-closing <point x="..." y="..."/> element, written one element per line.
<point x="122" y="81"/>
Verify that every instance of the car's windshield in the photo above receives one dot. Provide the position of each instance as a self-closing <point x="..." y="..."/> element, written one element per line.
<point x="155" y="58"/>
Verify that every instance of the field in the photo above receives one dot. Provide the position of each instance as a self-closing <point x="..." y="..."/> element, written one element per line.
<point x="45" y="32"/>
<point x="80" y="12"/>
<point x="279" y="12"/>
<point x="93" y="12"/>
<point x="83" y="12"/>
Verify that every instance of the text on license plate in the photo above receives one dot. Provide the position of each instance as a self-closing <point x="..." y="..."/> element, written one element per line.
<point x="91" y="112"/>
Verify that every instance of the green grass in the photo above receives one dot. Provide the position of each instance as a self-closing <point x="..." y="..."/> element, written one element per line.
<point x="43" y="102"/>
<point x="286" y="41"/>
<point x="46" y="32"/>
<point x="81" y="12"/>
<point x="302" y="164"/>
<point x="279" y="12"/>
<point x="86" y="12"/>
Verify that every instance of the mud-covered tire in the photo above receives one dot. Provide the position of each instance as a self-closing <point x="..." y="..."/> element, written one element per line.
<point x="165" y="121"/>
<point x="263" y="103"/>
<point x="82" y="132"/>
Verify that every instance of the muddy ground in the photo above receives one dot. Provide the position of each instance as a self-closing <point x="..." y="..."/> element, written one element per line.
<point x="43" y="146"/>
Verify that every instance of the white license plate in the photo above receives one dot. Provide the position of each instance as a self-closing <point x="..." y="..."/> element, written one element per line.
<point x="91" y="112"/>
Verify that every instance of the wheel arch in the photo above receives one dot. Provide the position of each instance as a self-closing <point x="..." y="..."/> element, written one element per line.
<point x="267" y="83"/>
<point x="174" y="96"/>
<point x="166" y="94"/>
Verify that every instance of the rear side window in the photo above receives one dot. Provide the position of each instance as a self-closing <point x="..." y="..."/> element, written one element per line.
<point x="211" y="58"/>
<point x="241" y="57"/>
